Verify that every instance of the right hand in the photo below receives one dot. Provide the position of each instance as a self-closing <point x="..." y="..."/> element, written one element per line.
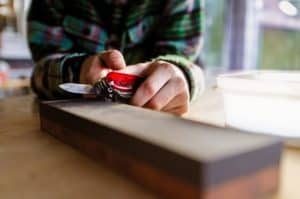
<point x="165" y="87"/>
<point x="98" y="66"/>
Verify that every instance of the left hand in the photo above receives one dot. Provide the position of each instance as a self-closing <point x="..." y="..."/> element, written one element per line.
<point x="164" y="89"/>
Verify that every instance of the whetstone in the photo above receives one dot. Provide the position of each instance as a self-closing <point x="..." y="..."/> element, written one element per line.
<point x="174" y="157"/>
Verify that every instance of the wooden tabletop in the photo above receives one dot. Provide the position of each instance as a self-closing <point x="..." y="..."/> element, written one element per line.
<point x="35" y="165"/>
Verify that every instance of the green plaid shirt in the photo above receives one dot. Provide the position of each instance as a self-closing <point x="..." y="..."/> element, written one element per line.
<point x="63" y="33"/>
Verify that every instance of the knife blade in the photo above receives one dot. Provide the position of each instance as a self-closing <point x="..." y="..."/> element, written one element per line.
<point x="76" y="88"/>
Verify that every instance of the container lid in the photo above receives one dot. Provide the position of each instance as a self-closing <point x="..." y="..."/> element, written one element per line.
<point x="285" y="83"/>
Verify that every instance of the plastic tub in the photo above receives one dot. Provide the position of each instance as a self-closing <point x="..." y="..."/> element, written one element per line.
<point x="263" y="102"/>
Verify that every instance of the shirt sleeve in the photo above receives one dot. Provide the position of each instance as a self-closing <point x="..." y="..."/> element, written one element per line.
<point x="179" y="40"/>
<point x="51" y="50"/>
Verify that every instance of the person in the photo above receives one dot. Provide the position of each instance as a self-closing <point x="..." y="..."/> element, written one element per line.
<point x="81" y="41"/>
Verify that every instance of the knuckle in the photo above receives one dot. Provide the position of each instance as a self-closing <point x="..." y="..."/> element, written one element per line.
<point x="158" y="62"/>
<point x="111" y="55"/>
<point x="114" y="52"/>
<point x="165" y="66"/>
<point x="179" y="82"/>
<point x="168" y="67"/>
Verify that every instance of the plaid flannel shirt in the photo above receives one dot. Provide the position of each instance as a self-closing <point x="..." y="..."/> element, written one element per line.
<point x="63" y="33"/>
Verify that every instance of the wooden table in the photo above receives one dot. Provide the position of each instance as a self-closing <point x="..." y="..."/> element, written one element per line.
<point x="35" y="165"/>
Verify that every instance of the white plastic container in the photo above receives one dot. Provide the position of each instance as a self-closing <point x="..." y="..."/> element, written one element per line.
<point x="263" y="102"/>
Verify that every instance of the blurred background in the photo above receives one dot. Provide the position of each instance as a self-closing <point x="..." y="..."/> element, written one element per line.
<point x="252" y="34"/>
<point x="239" y="35"/>
<point x="15" y="59"/>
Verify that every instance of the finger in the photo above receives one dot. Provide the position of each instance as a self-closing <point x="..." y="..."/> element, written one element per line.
<point x="178" y="101"/>
<point x="179" y="111"/>
<point x="168" y="92"/>
<point x="112" y="59"/>
<point x="96" y="74"/>
<point x="156" y="80"/>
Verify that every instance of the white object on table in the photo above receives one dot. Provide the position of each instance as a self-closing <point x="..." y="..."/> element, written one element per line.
<point x="263" y="102"/>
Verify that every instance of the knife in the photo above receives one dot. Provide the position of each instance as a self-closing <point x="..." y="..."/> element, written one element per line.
<point x="116" y="87"/>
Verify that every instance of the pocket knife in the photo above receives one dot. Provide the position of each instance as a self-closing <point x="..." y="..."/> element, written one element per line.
<point x="115" y="87"/>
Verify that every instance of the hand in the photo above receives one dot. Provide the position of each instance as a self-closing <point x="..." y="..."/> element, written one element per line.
<point x="164" y="89"/>
<point x="98" y="66"/>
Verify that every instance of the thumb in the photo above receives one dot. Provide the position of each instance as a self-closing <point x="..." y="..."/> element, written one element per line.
<point x="112" y="59"/>
<point x="104" y="72"/>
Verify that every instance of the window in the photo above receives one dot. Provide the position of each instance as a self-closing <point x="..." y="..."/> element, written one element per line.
<point x="280" y="35"/>
<point x="252" y="34"/>
<point x="280" y="49"/>
<point x="214" y="38"/>
<point x="214" y="33"/>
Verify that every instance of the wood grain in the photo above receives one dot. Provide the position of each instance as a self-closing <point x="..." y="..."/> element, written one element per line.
<point x="254" y="185"/>
<point x="34" y="165"/>
<point x="167" y="167"/>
